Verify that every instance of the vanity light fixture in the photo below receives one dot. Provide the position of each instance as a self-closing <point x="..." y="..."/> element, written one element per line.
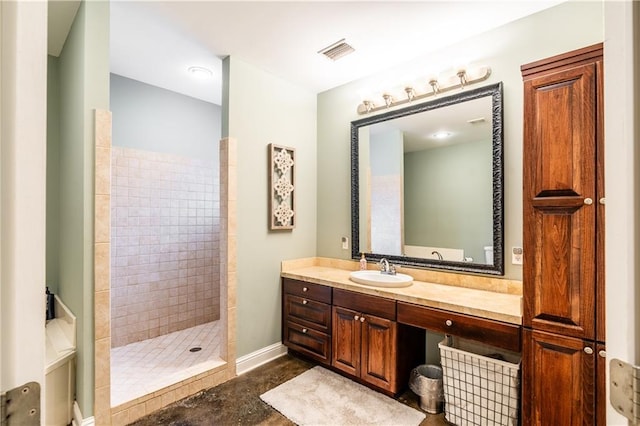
<point x="460" y="80"/>
<point x="462" y="75"/>
<point x="368" y="105"/>
<point x="435" y="87"/>
<point x="200" y="72"/>
<point x="410" y="93"/>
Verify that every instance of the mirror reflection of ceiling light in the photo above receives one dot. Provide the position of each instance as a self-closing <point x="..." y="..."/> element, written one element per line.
<point x="441" y="135"/>
<point x="200" y="72"/>
<point x="476" y="120"/>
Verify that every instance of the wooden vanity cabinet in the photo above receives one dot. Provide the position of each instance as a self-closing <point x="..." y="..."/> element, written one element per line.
<point x="306" y="319"/>
<point x="563" y="236"/>
<point x="370" y="345"/>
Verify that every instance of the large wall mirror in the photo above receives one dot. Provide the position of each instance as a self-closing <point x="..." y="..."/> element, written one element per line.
<point x="427" y="184"/>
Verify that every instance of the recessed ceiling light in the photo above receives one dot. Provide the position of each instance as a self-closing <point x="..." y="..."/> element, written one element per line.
<point x="200" y="72"/>
<point x="442" y="135"/>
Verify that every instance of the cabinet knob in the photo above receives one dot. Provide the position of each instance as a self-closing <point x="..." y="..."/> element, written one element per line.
<point x="602" y="353"/>
<point x="356" y="317"/>
<point x="602" y="200"/>
<point x="304" y="301"/>
<point x="304" y="330"/>
<point x="587" y="350"/>
<point x="361" y="319"/>
<point x="588" y="201"/>
<point x="449" y="323"/>
<point x="305" y="289"/>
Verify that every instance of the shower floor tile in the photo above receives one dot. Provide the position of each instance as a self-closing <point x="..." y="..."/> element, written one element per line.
<point x="140" y="368"/>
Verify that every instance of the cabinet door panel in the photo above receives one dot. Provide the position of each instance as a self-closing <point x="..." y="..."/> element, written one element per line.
<point x="378" y="358"/>
<point x="558" y="380"/>
<point x="346" y="340"/>
<point x="560" y="132"/>
<point x="560" y="202"/>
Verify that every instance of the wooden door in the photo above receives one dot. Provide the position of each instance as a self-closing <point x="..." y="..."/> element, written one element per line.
<point x="558" y="388"/>
<point x="346" y="340"/>
<point x="560" y="201"/>
<point x="378" y="354"/>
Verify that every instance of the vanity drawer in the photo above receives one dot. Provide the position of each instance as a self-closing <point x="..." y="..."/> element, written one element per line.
<point x="308" y="342"/>
<point x="374" y="305"/>
<point x="317" y="292"/>
<point x="307" y="312"/>
<point x="491" y="332"/>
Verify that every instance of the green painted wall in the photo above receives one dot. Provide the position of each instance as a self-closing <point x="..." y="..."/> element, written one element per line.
<point x="84" y="86"/>
<point x="449" y="198"/>
<point x="263" y="109"/>
<point x="155" y="119"/>
<point x="53" y="173"/>
<point x="562" y="28"/>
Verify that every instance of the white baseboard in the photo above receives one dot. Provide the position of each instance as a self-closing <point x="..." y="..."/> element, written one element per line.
<point x="255" y="359"/>
<point x="77" y="417"/>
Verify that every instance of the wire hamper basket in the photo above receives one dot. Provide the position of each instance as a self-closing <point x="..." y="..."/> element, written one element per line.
<point x="479" y="390"/>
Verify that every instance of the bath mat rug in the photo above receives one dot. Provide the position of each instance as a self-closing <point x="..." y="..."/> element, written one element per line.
<point x="321" y="397"/>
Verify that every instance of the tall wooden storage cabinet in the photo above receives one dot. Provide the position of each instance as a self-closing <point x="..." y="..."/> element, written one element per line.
<point x="563" y="275"/>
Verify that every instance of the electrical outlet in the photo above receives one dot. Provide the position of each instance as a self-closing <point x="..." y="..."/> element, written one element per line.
<point x="345" y="243"/>
<point x="516" y="255"/>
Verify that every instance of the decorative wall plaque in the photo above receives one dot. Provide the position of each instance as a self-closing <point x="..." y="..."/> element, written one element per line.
<point x="282" y="204"/>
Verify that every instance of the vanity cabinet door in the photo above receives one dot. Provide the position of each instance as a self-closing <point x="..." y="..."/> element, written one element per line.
<point x="346" y="340"/>
<point x="560" y="201"/>
<point x="378" y="355"/>
<point x="559" y="386"/>
<point x="365" y="347"/>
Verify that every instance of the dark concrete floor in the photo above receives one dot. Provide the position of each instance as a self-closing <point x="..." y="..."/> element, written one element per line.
<point x="237" y="402"/>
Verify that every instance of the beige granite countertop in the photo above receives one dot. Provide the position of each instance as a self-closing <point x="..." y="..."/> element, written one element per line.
<point x="493" y="298"/>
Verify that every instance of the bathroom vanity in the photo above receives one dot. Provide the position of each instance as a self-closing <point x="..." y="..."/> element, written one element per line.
<point x="376" y="335"/>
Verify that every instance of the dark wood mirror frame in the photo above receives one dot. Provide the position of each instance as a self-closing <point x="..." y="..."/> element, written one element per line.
<point x="495" y="91"/>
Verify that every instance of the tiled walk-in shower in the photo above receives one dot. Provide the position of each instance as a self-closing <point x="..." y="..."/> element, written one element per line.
<point x="144" y="367"/>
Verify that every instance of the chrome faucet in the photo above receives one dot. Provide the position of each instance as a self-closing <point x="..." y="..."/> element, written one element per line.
<point x="386" y="267"/>
<point x="436" y="252"/>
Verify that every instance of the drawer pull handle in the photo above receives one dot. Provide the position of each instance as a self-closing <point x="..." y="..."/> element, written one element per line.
<point x="603" y="201"/>
<point x="602" y="353"/>
<point x="361" y="319"/>
<point x="304" y="301"/>
<point x="588" y="201"/>
<point x="305" y="289"/>
<point x="356" y="317"/>
<point x="304" y="330"/>
<point x="449" y="323"/>
<point x="588" y="350"/>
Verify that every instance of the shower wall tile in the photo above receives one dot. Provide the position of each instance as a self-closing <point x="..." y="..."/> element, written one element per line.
<point x="165" y="257"/>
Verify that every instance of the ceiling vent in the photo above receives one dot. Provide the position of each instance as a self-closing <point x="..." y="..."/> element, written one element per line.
<point x="337" y="50"/>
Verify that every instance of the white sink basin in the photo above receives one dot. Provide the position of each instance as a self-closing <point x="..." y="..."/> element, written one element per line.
<point x="378" y="279"/>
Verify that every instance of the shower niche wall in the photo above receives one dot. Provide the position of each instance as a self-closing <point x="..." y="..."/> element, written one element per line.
<point x="165" y="239"/>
